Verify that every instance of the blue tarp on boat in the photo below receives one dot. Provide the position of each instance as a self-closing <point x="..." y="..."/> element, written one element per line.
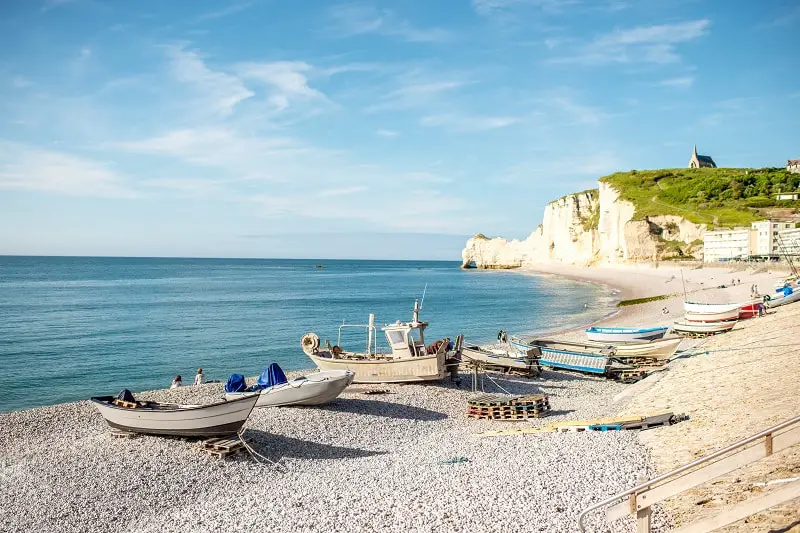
<point x="235" y="383"/>
<point x="271" y="376"/>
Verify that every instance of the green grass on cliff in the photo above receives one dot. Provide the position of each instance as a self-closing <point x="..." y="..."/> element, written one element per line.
<point x="723" y="197"/>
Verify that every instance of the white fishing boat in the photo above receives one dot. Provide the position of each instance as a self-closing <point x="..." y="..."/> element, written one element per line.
<point x="687" y="326"/>
<point x="512" y="358"/>
<point x="213" y="420"/>
<point x="408" y="359"/>
<point x="731" y="314"/>
<point x="700" y="308"/>
<point x="313" y="389"/>
<point x="622" y="334"/>
<point x="659" y="349"/>
<point x="782" y="298"/>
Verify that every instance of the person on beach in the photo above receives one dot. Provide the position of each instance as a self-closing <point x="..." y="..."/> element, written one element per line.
<point x="176" y="382"/>
<point x="198" y="379"/>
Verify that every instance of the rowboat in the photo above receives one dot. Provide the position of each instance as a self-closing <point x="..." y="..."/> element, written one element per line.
<point x="782" y="299"/>
<point x="527" y="361"/>
<point x="731" y="314"/>
<point x="213" y="420"/>
<point x="693" y="307"/>
<point x="687" y="326"/>
<point x="568" y="355"/>
<point x="409" y="359"/>
<point x="313" y="389"/>
<point x="749" y="310"/>
<point x="659" y="349"/>
<point x="620" y="334"/>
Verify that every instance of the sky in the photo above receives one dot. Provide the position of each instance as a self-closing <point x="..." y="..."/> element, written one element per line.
<point x="386" y="130"/>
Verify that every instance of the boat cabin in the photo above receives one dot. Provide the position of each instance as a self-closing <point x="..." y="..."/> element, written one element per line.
<point x="406" y="339"/>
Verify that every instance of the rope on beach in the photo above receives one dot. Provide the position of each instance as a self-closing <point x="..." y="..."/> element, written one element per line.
<point x="254" y="454"/>
<point x="496" y="383"/>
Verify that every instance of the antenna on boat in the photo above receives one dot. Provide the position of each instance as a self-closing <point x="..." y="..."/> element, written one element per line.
<point x="423" y="296"/>
<point x="684" y="286"/>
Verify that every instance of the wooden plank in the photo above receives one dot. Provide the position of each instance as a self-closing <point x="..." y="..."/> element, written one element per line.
<point x="618" y="511"/>
<point x="742" y="510"/>
<point x="755" y="452"/>
<point x="643" y="520"/>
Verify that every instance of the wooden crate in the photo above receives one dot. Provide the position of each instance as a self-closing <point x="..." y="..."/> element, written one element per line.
<point x="222" y="447"/>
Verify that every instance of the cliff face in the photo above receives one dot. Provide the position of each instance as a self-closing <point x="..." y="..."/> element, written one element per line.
<point x="589" y="228"/>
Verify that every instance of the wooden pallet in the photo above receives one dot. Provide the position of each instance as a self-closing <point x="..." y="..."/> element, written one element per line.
<point x="656" y="421"/>
<point x="500" y="400"/>
<point x="222" y="447"/>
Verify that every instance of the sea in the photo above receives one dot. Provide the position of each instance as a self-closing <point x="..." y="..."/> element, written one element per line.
<point x="76" y="327"/>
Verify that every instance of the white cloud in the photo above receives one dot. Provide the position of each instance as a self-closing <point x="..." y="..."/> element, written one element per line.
<point x="491" y="7"/>
<point x="286" y="79"/>
<point x="224" y="12"/>
<point x="647" y="44"/>
<point x="341" y="191"/>
<point x="469" y="122"/>
<point x="362" y="18"/>
<point x="415" y="92"/>
<point x="681" y="82"/>
<point x="218" y="90"/>
<point x="28" y="168"/>
<point x="387" y="133"/>
<point x="20" y="82"/>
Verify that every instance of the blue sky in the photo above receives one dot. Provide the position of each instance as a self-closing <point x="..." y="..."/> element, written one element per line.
<point x="271" y="128"/>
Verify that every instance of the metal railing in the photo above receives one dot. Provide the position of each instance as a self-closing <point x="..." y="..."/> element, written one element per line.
<point x="641" y="498"/>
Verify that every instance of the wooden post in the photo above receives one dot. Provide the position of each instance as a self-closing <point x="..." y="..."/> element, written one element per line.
<point x="643" y="520"/>
<point x="768" y="444"/>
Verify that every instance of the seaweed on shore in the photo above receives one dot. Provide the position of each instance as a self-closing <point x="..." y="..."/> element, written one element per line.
<point x="637" y="301"/>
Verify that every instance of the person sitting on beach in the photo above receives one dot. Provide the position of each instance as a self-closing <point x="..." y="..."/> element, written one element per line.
<point x="176" y="382"/>
<point x="198" y="379"/>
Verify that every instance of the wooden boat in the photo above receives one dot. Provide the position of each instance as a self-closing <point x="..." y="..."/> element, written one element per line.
<point x="659" y="349"/>
<point x="699" y="308"/>
<point x="212" y="420"/>
<point x="731" y="314"/>
<point x="749" y="310"/>
<point x="568" y="355"/>
<point x="687" y="326"/>
<point x="314" y="389"/>
<point x="409" y="358"/>
<point x="528" y="361"/>
<point x="620" y="334"/>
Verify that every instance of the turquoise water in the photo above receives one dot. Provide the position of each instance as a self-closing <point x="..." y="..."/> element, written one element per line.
<point x="75" y="327"/>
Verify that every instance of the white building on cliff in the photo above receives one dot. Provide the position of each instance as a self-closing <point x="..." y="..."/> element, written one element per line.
<point x="760" y="239"/>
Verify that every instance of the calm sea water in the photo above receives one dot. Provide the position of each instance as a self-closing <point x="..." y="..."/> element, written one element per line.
<point x="71" y="327"/>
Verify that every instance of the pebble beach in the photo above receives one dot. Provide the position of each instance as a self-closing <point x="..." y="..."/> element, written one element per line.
<point x="405" y="460"/>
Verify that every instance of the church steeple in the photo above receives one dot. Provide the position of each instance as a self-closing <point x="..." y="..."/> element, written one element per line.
<point x="694" y="152"/>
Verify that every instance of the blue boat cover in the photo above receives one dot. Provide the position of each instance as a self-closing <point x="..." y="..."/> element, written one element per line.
<point x="787" y="291"/>
<point x="235" y="383"/>
<point x="271" y="376"/>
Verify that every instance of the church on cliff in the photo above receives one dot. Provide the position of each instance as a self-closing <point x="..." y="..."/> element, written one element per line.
<point x="701" y="161"/>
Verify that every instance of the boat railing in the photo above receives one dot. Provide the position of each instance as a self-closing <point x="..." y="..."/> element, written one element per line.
<point x="638" y="501"/>
<point x="373" y="348"/>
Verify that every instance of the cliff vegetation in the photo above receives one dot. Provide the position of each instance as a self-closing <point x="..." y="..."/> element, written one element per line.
<point x="724" y="197"/>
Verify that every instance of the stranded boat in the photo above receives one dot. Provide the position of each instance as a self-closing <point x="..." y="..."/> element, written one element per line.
<point x="688" y="326"/>
<point x="657" y="350"/>
<point x="575" y="356"/>
<point x="511" y="359"/>
<point x="699" y="308"/>
<point x="275" y="390"/>
<point x="619" y="334"/>
<point x="409" y="359"/>
<point x="213" y="420"/>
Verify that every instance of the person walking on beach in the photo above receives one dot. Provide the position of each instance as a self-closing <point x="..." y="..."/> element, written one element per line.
<point x="198" y="379"/>
<point x="176" y="382"/>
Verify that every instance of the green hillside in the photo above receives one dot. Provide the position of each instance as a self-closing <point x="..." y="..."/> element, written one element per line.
<point x="723" y="197"/>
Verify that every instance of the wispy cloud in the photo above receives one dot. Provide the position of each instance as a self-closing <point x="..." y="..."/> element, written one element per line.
<point x="648" y="44"/>
<point x="220" y="13"/>
<point x="20" y="82"/>
<point x="52" y="4"/>
<point x="341" y="191"/>
<point x="387" y="133"/>
<point x="28" y="168"/>
<point x="415" y="90"/>
<point x="287" y="80"/>
<point x="492" y="7"/>
<point x="219" y="91"/>
<point x="468" y="122"/>
<point x="362" y="18"/>
<point x="787" y="17"/>
<point x="683" y="82"/>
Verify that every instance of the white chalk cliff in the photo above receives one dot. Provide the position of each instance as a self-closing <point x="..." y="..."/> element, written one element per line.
<point x="589" y="228"/>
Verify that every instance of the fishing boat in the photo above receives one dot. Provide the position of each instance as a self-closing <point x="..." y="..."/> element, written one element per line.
<point x="749" y="310"/>
<point x="274" y="390"/>
<point x="659" y="349"/>
<point x="219" y="419"/>
<point x="621" y="334"/>
<point x="699" y="308"/>
<point x="688" y="326"/>
<point x="568" y="355"/>
<point x="731" y="314"/>
<point x="408" y="359"/>
<point x="782" y="299"/>
<point x="511" y="359"/>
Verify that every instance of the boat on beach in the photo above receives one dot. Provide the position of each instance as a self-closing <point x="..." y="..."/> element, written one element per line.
<point x="623" y="334"/>
<point x="409" y="359"/>
<point x="658" y="350"/>
<point x="688" y="326"/>
<point x="700" y="308"/>
<point x="787" y="297"/>
<point x="313" y="389"/>
<point x="731" y="314"/>
<point x="573" y="356"/>
<point x="511" y="359"/>
<point x="219" y="419"/>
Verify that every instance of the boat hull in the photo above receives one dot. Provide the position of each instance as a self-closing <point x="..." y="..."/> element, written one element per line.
<point x="732" y="314"/>
<point x="214" y="420"/>
<point x="569" y="356"/>
<point x="660" y="349"/>
<point x="516" y="361"/>
<point x="315" y="389"/>
<point x="613" y="335"/>
<point x="783" y="300"/>
<point x="686" y="326"/>
<point x="693" y="307"/>
<point x="425" y="368"/>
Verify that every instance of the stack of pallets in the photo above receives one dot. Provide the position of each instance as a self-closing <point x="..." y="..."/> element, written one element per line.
<point x="222" y="447"/>
<point x="501" y="407"/>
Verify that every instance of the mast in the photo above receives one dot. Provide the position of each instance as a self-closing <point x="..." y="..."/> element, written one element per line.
<point x="415" y="316"/>
<point x="370" y="329"/>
